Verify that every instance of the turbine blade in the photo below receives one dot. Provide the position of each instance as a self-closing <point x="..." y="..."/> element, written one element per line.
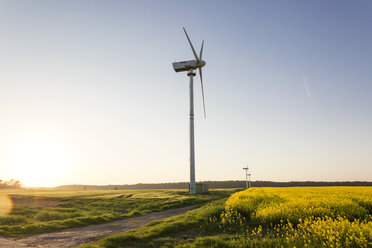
<point x="192" y="47"/>
<point x="202" y="88"/>
<point x="201" y="50"/>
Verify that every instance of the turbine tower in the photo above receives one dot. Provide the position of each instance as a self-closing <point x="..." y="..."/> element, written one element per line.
<point x="190" y="66"/>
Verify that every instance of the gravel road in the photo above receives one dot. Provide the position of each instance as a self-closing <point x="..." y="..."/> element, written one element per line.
<point x="79" y="236"/>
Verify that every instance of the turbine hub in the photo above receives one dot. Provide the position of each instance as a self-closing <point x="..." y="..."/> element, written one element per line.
<point x="201" y="63"/>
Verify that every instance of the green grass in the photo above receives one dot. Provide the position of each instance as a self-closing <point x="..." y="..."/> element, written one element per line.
<point x="299" y="217"/>
<point x="39" y="211"/>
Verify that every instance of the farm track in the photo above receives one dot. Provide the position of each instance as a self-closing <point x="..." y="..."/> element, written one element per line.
<point x="79" y="236"/>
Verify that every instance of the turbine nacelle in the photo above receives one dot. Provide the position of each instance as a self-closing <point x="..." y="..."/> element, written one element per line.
<point x="188" y="65"/>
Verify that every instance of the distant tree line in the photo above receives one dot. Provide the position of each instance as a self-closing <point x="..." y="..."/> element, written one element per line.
<point x="213" y="185"/>
<point x="11" y="184"/>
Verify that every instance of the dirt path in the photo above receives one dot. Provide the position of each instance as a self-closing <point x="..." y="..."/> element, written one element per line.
<point x="79" y="236"/>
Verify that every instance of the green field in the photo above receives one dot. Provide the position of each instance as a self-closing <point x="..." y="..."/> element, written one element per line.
<point x="264" y="217"/>
<point x="38" y="211"/>
<point x="258" y="217"/>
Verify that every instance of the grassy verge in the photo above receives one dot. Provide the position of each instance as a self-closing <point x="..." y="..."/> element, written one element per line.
<point x="39" y="211"/>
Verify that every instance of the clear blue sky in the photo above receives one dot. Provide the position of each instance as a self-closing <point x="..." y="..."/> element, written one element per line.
<point x="88" y="94"/>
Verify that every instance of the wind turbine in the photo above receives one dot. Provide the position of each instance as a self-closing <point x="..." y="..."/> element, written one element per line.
<point x="190" y="66"/>
<point x="247" y="175"/>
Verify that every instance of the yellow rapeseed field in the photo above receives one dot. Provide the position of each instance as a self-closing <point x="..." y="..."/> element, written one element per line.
<point x="303" y="216"/>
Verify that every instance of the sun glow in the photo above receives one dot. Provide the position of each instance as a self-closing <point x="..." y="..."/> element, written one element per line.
<point x="38" y="159"/>
<point x="6" y="205"/>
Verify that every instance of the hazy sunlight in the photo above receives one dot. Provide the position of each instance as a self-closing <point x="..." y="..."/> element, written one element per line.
<point x="38" y="158"/>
